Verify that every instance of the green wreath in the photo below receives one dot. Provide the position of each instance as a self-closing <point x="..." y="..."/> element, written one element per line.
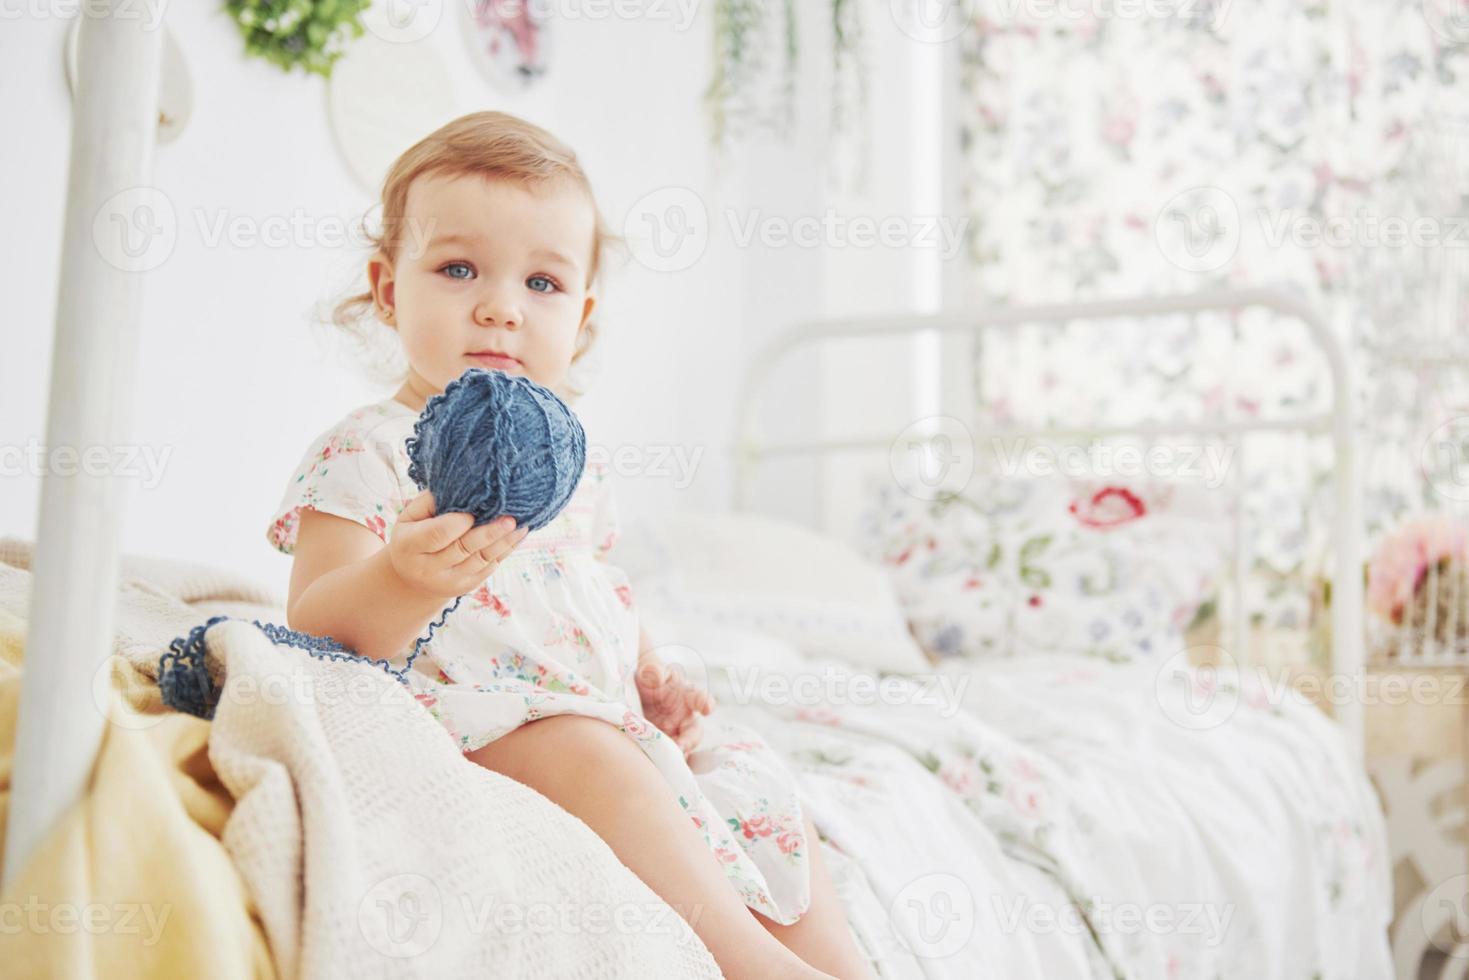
<point x="306" y="34"/>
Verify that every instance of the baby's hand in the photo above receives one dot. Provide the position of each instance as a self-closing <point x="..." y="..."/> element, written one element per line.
<point x="671" y="703"/>
<point x="446" y="556"/>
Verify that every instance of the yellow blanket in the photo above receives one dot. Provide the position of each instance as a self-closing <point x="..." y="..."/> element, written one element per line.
<point x="134" y="881"/>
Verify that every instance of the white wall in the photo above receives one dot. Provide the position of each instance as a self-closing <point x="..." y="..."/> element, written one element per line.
<point x="233" y="382"/>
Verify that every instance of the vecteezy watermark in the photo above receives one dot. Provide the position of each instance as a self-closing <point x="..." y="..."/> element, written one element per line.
<point x="1449" y="19"/>
<point x="1206" y="920"/>
<point x="150" y="12"/>
<point x="1206" y="463"/>
<point x="669" y="230"/>
<point x="1198" y="696"/>
<point x="1198" y="229"/>
<point x="1202" y="688"/>
<point x="405" y="915"/>
<point x="933" y="457"/>
<point x="1365" y="228"/>
<point x="35" y="917"/>
<point x="1444" y="916"/>
<point x="832" y="229"/>
<point x="142" y="463"/>
<point x="831" y="686"/>
<point x="1445" y="459"/>
<point x="941" y="21"/>
<point x="137" y="230"/>
<point x="933" y="915"/>
<point x="676" y="463"/>
<point x="402" y="916"/>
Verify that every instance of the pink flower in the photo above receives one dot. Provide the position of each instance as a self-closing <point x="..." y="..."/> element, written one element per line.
<point x="1119" y="129"/>
<point x="820" y="716"/>
<point x="756" y="827"/>
<point x="1025" y="799"/>
<point x="1401" y="562"/>
<point x="635" y="726"/>
<point x="789" y="841"/>
<point x="958" y="774"/>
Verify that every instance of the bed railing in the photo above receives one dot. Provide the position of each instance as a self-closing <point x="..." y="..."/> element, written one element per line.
<point x="93" y="362"/>
<point x="1337" y="424"/>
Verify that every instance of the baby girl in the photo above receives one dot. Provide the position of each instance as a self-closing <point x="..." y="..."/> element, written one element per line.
<point x="489" y="248"/>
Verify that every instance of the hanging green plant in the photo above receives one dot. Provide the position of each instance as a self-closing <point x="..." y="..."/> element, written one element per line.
<point x="749" y="37"/>
<point x="753" y="83"/>
<point x="306" y="34"/>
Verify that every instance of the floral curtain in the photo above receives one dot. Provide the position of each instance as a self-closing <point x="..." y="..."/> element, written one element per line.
<point x="1118" y="148"/>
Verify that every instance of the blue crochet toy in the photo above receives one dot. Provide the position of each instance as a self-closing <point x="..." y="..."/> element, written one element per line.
<point x="494" y="443"/>
<point x="489" y="444"/>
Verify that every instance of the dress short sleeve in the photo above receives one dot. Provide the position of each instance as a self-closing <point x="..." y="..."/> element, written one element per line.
<point x="357" y="469"/>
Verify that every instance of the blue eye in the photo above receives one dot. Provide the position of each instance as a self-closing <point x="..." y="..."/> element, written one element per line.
<point x="458" y="265"/>
<point x="551" y="283"/>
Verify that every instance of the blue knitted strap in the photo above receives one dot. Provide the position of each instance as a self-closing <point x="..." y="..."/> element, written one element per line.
<point x="184" y="681"/>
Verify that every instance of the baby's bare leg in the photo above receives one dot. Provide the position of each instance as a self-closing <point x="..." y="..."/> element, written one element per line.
<point x="821" y="937"/>
<point x="594" y="771"/>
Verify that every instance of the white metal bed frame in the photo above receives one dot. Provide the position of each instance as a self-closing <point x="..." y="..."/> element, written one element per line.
<point x="114" y="127"/>
<point x="75" y="565"/>
<point x="1347" y="620"/>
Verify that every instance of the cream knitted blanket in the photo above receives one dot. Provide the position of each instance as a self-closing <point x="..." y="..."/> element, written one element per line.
<point x="371" y="847"/>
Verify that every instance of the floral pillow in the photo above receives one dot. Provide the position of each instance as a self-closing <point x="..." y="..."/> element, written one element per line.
<point x="1011" y="565"/>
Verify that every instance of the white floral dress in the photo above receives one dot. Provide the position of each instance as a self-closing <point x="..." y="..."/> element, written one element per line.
<point x="554" y="630"/>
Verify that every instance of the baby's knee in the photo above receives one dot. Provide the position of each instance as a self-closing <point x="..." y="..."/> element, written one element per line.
<point x="578" y="744"/>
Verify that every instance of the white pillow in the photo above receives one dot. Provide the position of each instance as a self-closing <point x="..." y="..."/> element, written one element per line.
<point x="772" y="577"/>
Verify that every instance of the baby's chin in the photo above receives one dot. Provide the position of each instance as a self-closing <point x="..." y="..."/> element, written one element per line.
<point x="557" y="382"/>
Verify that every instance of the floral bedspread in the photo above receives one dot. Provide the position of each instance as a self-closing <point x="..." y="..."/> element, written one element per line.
<point x="1054" y="816"/>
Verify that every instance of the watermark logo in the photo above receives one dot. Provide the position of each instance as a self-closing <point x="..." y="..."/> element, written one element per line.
<point x="403" y="21"/>
<point x="150" y="12"/>
<point x="401" y="916"/>
<point x="933" y="915"/>
<point x="933" y="457"/>
<point x="1449" y="19"/>
<point x="143" y="464"/>
<point x="1198" y="230"/>
<point x="668" y="230"/>
<point x="933" y="21"/>
<point x="1445" y="459"/>
<point x="1198" y="697"/>
<point x="1444" y="915"/>
<point x="1205" y="463"/>
<point x="678" y="464"/>
<point x="136" y="230"/>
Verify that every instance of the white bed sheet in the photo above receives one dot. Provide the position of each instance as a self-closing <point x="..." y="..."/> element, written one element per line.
<point x="976" y="829"/>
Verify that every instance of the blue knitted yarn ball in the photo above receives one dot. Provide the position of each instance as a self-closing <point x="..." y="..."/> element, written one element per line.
<point x="493" y="443"/>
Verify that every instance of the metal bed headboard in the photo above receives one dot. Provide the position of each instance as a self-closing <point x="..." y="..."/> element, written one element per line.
<point x="1347" y="622"/>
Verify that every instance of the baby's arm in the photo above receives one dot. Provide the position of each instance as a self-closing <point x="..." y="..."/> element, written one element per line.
<point x="347" y="585"/>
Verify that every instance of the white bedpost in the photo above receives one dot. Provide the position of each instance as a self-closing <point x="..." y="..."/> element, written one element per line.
<point x="93" y="363"/>
<point x="1348" y="624"/>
